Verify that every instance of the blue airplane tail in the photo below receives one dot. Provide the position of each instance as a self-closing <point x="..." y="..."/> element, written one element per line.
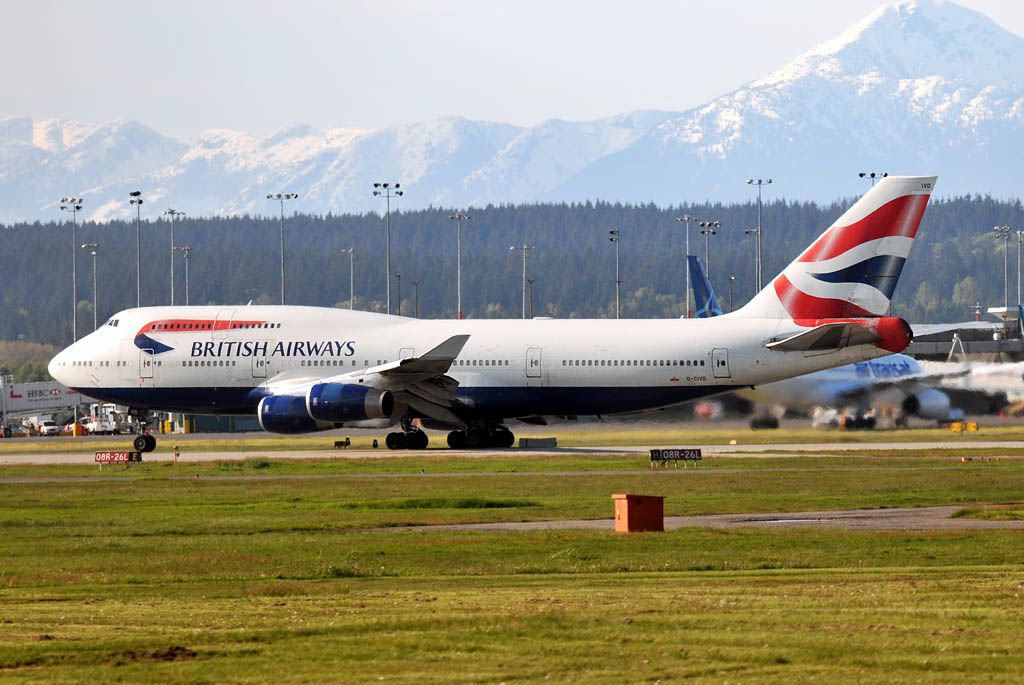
<point x="707" y="303"/>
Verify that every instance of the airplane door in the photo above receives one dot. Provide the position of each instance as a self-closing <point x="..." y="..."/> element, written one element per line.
<point x="222" y="324"/>
<point x="259" y="367"/>
<point x="145" y="363"/>
<point x="533" y="363"/>
<point x="720" y="362"/>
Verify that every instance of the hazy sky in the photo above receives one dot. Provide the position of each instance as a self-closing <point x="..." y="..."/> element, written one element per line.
<point x="184" y="66"/>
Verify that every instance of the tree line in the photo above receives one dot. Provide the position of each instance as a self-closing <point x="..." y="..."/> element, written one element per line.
<point x="956" y="261"/>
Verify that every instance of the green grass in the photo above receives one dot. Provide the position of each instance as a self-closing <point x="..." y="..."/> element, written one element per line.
<point x="285" y="571"/>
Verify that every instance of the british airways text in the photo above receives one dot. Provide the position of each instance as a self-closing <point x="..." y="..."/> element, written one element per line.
<point x="296" y="348"/>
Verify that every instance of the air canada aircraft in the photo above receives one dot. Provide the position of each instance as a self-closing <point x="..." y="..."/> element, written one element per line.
<point x="305" y="369"/>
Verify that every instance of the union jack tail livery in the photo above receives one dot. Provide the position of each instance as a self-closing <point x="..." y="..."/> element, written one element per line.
<point x="851" y="270"/>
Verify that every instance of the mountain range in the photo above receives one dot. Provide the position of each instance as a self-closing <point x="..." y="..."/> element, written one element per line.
<point x="921" y="86"/>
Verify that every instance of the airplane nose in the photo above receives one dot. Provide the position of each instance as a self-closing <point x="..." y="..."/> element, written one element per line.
<point x="54" y="367"/>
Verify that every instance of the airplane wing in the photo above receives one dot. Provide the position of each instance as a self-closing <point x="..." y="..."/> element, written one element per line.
<point x="419" y="382"/>
<point x="827" y="336"/>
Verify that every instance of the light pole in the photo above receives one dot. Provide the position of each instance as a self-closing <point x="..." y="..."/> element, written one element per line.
<point x="524" y="248"/>
<point x="732" y="279"/>
<point x="760" y="183"/>
<point x="398" y="278"/>
<point x="686" y="219"/>
<point x="416" y="299"/>
<point x="172" y="213"/>
<point x="388" y="191"/>
<point x="186" y="250"/>
<point x="1020" y="238"/>
<point x="1003" y="232"/>
<point x="614" y="237"/>
<point x="757" y="254"/>
<point x="73" y="205"/>
<point x="351" y="251"/>
<point x="458" y="218"/>
<point x="136" y="200"/>
<point x="529" y="284"/>
<point x="873" y="176"/>
<point x="707" y="229"/>
<point x="281" y="197"/>
<point x="95" y="302"/>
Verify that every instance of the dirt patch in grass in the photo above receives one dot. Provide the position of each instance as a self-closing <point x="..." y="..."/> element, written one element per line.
<point x="173" y="653"/>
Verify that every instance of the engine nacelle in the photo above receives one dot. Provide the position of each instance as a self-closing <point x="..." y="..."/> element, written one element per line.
<point x="345" y="402"/>
<point x="929" y="403"/>
<point x="287" y="414"/>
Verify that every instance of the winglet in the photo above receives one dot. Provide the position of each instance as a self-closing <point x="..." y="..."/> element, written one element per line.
<point x="449" y="349"/>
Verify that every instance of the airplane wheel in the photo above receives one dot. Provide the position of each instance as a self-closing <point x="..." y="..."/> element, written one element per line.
<point x="395" y="441"/>
<point x="475" y="438"/>
<point x="141" y="443"/>
<point x="416" y="440"/>
<point x="503" y="437"/>
<point x="457" y="440"/>
<point x="151" y="443"/>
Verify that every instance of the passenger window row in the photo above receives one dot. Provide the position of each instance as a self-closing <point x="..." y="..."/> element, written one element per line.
<point x="209" y="362"/>
<point x="632" y="362"/>
<point x="481" y="362"/>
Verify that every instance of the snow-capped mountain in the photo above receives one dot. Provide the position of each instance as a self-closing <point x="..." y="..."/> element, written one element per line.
<point x="922" y="86"/>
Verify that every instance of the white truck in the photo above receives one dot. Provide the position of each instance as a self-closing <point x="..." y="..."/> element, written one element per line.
<point x="100" y="425"/>
<point x="48" y="427"/>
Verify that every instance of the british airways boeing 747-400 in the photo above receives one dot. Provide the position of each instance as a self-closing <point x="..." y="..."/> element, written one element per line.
<point x="305" y="369"/>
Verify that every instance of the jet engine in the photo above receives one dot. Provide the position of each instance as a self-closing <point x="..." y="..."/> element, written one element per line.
<point x="928" y="403"/>
<point x="287" y="414"/>
<point x="344" y="402"/>
<point x="324" y="406"/>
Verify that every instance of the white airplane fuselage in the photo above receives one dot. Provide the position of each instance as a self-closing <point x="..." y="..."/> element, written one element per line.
<point x="225" y="359"/>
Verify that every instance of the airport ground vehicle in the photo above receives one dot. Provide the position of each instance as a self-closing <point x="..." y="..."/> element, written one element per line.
<point x="100" y="425"/>
<point x="48" y="427"/>
<point x="305" y="369"/>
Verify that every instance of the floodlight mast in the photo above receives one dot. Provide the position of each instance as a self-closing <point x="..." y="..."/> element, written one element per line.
<point x="708" y="229"/>
<point x="613" y="237"/>
<point x="136" y="199"/>
<point x="458" y="218"/>
<point x="760" y="183"/>
<point x="95" y="302"/>
<point x="686" y="219"/>
<point x="172" y="214"/>
<point x="388" y="190"/>
<point x="73" y="205"/>
<point x="524" y="249"/>
<point x="281" y="198"/>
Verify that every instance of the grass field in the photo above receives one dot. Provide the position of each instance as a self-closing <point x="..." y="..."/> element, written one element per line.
<point x="287" y="571"/>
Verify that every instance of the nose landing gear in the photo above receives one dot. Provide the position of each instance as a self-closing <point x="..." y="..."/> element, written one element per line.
<point x="143" y="442"/>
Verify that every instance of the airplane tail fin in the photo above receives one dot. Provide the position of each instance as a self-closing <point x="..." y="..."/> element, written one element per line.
<point x="851" y="270"/>
<point x="707" y="303"/>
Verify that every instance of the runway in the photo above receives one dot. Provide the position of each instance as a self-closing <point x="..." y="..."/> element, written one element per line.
<point x="192" y="451"/>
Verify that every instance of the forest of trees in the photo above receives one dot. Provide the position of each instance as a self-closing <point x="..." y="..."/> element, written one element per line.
<point x="957" y="261"/>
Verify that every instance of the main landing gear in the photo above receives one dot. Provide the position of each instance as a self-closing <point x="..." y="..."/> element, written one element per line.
<point x="411" y="438"/>
<point x="477" y="436"/>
